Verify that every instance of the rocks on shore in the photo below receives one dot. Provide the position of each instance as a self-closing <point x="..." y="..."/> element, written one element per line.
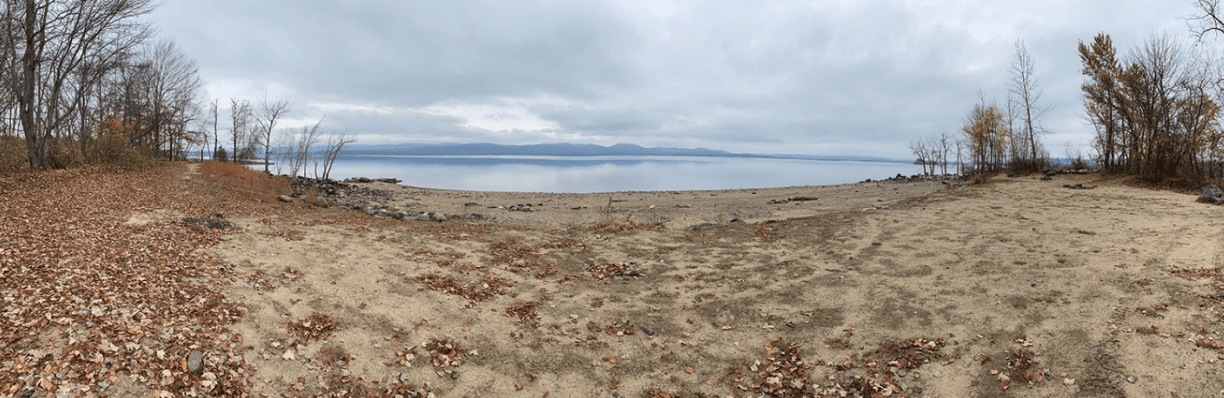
<point x="1211" y="194"/>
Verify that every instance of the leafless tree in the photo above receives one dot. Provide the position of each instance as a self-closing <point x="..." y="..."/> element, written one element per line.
<point x="214" y="111"/>
<point x="299" y="149"/>
<point x="1207" y="20"/>
<point x="50" y="41"/>
<point x="335" y="143"/>
<point x="269" y="114"/>
<point x="944" y="143"/>
<point x="1025" y="96"/>
<point x="240" y="116"/>
<point x="919" y="148"/>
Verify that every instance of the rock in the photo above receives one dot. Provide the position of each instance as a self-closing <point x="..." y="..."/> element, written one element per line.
<point x="736" y="220"/>
<point x="647" y="330"/>
<point x="399" y="215"/>
<point x="371" y="211"/>
<point x="477" y="216"/>
<point x="803" y="198"/>
<point x="285" y="198"/>
<point x="1131" y="379"/>
<point x="195" y="362"/>
<point x="1046" y="178"/>
<point x="683" y="206"/>
<point x="321" y="201"/>
<point x="1211" y="194"/>
<point x="703" y="225"/>
<point x="454" y="375"/>
<point x="778" y="201"/>
<point x="636" y="272"/>
<point x="439" y="217"/>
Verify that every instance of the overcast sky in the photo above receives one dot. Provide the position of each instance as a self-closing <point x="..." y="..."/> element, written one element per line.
<point x="826" y="77"/>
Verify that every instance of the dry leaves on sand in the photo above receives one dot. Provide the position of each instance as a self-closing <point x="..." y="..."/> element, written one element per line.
<point x="317" y="326"/>
<point x="86" y="291"/>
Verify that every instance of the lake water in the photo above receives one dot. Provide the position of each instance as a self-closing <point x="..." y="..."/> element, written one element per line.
<point x="609" y="173"/>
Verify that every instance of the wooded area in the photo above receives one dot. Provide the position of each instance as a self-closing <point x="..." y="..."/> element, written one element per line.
<point x="83" y="81"/>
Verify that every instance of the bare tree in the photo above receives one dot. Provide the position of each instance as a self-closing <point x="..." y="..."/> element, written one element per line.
<point x="1025" y="96"/>
<point x="335" y="143"/>
<point x="1207" y="20"/>
<point x="944" y="142"/>
<point x="213" y="109"/>
<point x="919" y="148"/>
<point x="50" y="41"/>
<point x="269" y="114"/>
<point x="240" y="118"/>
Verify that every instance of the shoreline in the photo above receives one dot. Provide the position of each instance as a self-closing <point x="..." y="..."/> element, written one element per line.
<point x="672" y="209"/>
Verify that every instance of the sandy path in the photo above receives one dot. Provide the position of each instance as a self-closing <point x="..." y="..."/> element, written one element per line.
<point x="1015" y="267"/>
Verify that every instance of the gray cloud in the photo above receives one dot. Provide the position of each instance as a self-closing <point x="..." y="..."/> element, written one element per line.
<point x="775" y="77"/>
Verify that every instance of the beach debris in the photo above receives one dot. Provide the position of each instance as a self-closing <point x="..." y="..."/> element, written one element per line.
<point x="520" y="207"/>
<point x="778" y="201"/>
<point x="636" y="272"/>
<point x="1077" y="186"/>
<point x="683" y="206"/>
<point x="1211" y="194"/>
<point x="606" y="270"/>
<point x="703" y="225"/>
<point x="802" y="198"/>
<point x="318" y="326"/>
<point x="206" y="222"/>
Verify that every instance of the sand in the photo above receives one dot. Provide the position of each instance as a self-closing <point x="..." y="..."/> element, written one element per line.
<point x="1017" y="287"/>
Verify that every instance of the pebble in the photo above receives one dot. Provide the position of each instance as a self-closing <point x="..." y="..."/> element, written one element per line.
<point x="454" y="375"/>
<point x="647" y="330"/>
<point x="900" y="372"/>
<point x="1131" y="379"/>
<point x="195" y="362"/>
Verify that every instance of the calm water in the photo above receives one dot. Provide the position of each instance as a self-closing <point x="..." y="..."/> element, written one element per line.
<point x="611" y="173"/>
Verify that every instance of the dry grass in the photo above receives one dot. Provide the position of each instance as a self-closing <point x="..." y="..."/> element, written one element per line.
<point x="245" y="181"/>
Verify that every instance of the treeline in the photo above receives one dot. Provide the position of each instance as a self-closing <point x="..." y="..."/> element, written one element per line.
<point x="995" y="138"/>
<point x="1155" y="111"/>
<point x="83" y="81"/>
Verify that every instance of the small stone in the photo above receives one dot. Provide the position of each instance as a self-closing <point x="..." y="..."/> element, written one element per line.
<point x="454" y="375"/>
<point x="1131" y="379"/>
<point x="195" y="362"/>
<point x="437" y="217"/>
<point x="900" y="372"/>
<point x="647" y="330"/>
<point x="284" y="198"/>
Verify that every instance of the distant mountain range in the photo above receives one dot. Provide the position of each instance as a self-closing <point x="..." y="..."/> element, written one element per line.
<point x="486" y="149"/>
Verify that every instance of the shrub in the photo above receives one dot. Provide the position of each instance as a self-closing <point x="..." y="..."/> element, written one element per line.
<point x="244" y="180"/>
<point x="13" y="155"/>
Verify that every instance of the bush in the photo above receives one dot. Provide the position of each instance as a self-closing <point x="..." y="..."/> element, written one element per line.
<point x="13" y="155"/>
<point x="63" y="153"/>
<point x="114" y="149"/>
<point x="221" y="155"/>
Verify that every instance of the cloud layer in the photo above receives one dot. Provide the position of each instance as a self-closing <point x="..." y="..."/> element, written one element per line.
<point x="855" y="78"/>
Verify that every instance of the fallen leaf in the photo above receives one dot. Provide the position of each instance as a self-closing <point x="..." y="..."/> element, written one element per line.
<point x="711" y="382"/>
<point x="467" y="329"/>
<point x="611" y="358"/>
<point x="688" y="370"/>
<point x="1068" y="381"/>
<point x="288" y="356"/>
<point x="518" y="386"/>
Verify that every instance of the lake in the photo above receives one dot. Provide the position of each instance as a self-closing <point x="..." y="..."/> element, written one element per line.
<point x="571" y="174"/>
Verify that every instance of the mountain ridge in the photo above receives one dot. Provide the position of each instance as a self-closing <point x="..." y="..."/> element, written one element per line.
<point x="577" y="150"/>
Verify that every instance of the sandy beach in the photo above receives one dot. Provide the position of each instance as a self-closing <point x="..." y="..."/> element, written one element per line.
<point x="1016" y="287"/>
